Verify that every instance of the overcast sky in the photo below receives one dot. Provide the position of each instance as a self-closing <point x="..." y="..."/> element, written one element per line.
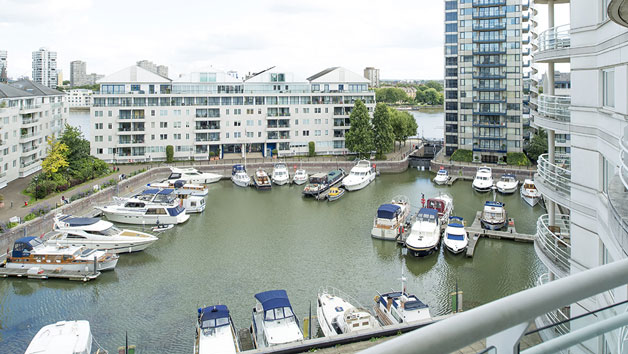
<point x="403" y="38"/>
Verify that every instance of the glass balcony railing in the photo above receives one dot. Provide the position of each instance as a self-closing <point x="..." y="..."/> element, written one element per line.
<point x="555" y="176"/>
<point x="554" y="243"/>
<point x="554" y="107"/>
<point x="554" y="38"/>
<point x="557" y="319"/>
<point x="623" y="158"/>
<point x="488" y="2"/>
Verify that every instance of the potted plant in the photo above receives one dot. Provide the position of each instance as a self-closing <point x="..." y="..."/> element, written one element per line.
<point x="274" y="153"/>
<point x="211" y="155"/>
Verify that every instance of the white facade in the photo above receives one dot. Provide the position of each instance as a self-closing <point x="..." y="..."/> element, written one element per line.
<point x="45" y="67"/>
<point x="587" y="219"/>
<point x="79" y="98"/>
<point x="138" y="113"/>
<point x="29" y="114"/>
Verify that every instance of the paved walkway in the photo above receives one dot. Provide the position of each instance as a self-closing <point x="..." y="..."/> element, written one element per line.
<point x="14" y="199"/>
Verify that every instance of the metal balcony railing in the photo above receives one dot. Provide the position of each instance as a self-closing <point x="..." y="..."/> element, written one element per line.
<point x="554" y="38"/>
<point x="554" y="107"/>
<point x="554" y="242"/>
<point x="623" y="158"/>
<point x="558" y="319"/>
<point x="557" y="175"/>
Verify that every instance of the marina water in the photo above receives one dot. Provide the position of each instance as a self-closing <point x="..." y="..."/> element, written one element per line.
<point x="249" y="241"/>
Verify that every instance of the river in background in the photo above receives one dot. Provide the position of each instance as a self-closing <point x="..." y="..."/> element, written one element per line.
<point x="80" y="119"/>
<point x="249" y="241"/>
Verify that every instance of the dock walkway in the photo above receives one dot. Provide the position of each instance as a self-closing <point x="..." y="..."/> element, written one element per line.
<point x="45" y="274"/>
<point x="475" y="232"/>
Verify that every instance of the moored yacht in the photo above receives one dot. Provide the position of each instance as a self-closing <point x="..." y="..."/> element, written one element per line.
<point x="360" y="176"/>
<point x="63" y="337"/>
<point x="321" y="182"/>
<point x="274" y="321"/>
<point x="529" y="193"/>
<point x="400" y="307"/>
<point x="98" y="234"/>
<point x="456" y="238"/>
<point x="444" y="204"/>
<point x="300" y="177"/>
<point x="424" y="237"/>
<point x="261" y="180"/>
<point x="192" y="203"/>
<point x="442" y="177"/>
<point x="280" y="174"/>
<point x="493" y="216"/>
<point x="195" y="189"/>
<point x="215" y="331"/>
<point x="336" y="315"/>
<point x="483" y="181"/>
<point x="391" y="218"/>
<point x="192" y="175"/>
<point x="30" y="252"/>
<point x="507" y="184"/>
<point x="146" y="212"/>
<point x="239" y="177"/>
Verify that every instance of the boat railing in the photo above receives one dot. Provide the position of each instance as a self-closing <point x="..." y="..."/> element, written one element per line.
<point x="341" y="294"/>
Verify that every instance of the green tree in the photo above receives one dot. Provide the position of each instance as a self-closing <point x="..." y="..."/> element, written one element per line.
<point x="57" y="157"/>
<point x="169" y="153"/>
<point x="538" y="145"/>
<point x="383" y="136"/>
<point x="390" y="95"/>
<point x="404" y="125"/>
<point x="359" y="138"/>
<point x="435" y="85"/>
<point x="420" y="96"/>
<point x="411" y="125"/>
<point x="311" y="149"/>
<point x="431" y="97"/>
<point x="78" y="148"/>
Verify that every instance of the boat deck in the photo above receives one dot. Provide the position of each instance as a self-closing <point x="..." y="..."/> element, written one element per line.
<point x="323" y="196"/>
<point x="476" y="232"/>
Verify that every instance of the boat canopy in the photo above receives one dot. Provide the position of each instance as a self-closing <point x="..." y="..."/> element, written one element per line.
<point x="414" y="305"/>
<point x="237" y="168"/>
<point x="388" y="211"/>
<point x="508" y="176"/>
<point x="442" y="172"/>
<point x="179" y="183"/>
<point x="166" y="191"/>
<point x="435" y="203"/>
<point x="455" y="237"/>
<point x="23" y="246"/>
<point x="75" y="222"/>
<point x="176" y="211"/>
<point x="494" y="204"/>
<point x="428" y="214"/>
<point x="150" y="191"/>
<point x="455" y="221"/>
<point x="214" y="316"/>
<point x="273" y="299"/>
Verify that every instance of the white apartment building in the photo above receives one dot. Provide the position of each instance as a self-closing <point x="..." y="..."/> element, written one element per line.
<point x="372" y="75"/>
<point x="487" y="68"/>
<point x="78" y="73"/>
<point x="45" y="67"/>
<point x="81" y="98"/>
<point x="3" y="59"/>
<point x="137" y="113"/>
<point x="586" y="224"/>
<point x="29" y="114"/>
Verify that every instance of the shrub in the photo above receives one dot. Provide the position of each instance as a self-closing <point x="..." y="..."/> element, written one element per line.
<point x="169" y="153"/>
<point x="312" y="149"/>
<point x="462" y="155"/>
<point x="11" y="225"/>
<point x="274" y="152"/>
<point x="29" y="217"/>
<point x="517" y="159"/>
<point x="212" y="154"/>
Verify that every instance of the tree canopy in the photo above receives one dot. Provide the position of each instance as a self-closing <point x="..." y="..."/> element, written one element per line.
<point x="403" y="124"/>
<point x="359" y="138"/>
<point x="390" y="95"/>
<point x="383" y="136"/>
<point x="57" y="157"/>
<point x="538" y="145"/>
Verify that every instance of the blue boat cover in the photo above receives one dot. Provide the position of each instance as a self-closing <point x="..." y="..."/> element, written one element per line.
<point x="24" y="245"/>
<point x="176" y="211"/>
<point x="494" y="204"/>
<point x="455" y="237"/>
<point x="214" y="312"/>
<point x="428" y="211"/>
<point x="81" y="221"/>
<point x="508" y="175"/>
<point x="273" y="299"/>
<point x="166" y="191"/>
<point x="414" y="305"/>
<point x="237" y="168"/>
<point x="179" y="183"/>
<point x="150" y="191"/>
<point x="388" y="211"/>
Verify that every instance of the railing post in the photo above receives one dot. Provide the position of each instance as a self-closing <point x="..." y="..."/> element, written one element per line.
<point x="507" y="341"/>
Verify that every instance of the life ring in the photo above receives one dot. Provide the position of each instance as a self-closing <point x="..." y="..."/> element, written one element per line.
<point x="376" y="298"/>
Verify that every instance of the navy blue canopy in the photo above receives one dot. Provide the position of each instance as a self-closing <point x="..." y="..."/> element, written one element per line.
<point x="26" y="239"/>
<point x="455" y="221"/>
<point x="508" y="175"/>
<point x="179" y="183"/>
<point x="166" y="191"/>
<point x="81" y="221"/>
<point x="150" y="191"/>
<point x="428" y="211"/>
<point x="214" y="312"/>
<point x="23" y="246"/>
<point x="494" y="204"/>
<point x="273" y="299"/>
<point x="387" y="211"/>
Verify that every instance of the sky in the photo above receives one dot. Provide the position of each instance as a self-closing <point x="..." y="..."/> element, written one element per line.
<point x="403" y="38"/>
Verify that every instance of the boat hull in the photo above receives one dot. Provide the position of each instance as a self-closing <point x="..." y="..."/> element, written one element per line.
<point x="453" y="249"/>
<point x="481" y="189"/>
<point x="299" y="181"/>
<point x="335" y="197"/>
<point x="241" y="183"/>
<point x="493" y="226"/>
<point x="351" y="187"/>
<point x="422" y="252"/>
<point x="506" y="190"/>
<point x="385" y="234"/>
<point x="85" y="267"/>
<point x="280" y="182"/>
<point x="140" y="219"/>
<point x="441" y="181"/>
<point x="111" y="246"/>
<point x="532" y="201"/>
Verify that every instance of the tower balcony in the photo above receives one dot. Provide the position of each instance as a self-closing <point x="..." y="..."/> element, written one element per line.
<point x="553" y="112"/>
<point x="554" y="179"/>
<point x="554" y="45"/>
<point x="553" y="244"/>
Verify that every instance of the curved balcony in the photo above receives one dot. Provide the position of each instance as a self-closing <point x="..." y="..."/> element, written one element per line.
<point x="552" y="318"/>
<point x="618" y="12"/>
<point x="553" y="112"/>
<point x="554" y="44"/>
<point x="623" y="158"/>
<point x="618" y="197"/>
<point x="552" y="244"/>
<point x="554" y="179"/>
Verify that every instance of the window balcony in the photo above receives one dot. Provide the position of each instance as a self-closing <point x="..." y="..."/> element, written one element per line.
<point x="489" y="27"/>
<point x="30" y="108"/>
<point x="29" y="148"/>
<point x="481" y="3"/>
<point x="554" y="179"/>
<point x="557" y="320"/>
<point x="29" y="136"/>
<point x="30" y="120"/>
<point x="28" y="163"/>
<point x="489" y="76"/>
<point x="554" y="44"/>
<point x="489" y="40"/>
<point x="552" y="112"/>
<point x="553" y="244"/>
<point x="489" y="52"/>
<point x="486" y="88"/>
<point x="489" y="64"/>
<point x="488" y="14"/>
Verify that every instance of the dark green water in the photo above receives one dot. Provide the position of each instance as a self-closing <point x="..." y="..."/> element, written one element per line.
<point x="249" y="241"/>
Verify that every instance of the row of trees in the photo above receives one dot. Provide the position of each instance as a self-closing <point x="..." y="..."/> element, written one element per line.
<point x="379" y="134"/>
<point x="68" y="163"/>
<point x="430" y="93"/>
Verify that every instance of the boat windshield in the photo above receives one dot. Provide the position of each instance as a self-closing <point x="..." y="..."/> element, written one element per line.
<point x="86" y="252"/>
<point x="278" y="313"/>
<point x="112" y="231"/>
<point x="491" y="215"/>
<point x="215" y="322"/>
<point x="455" y="237"/>
<point x="427" y="217"/>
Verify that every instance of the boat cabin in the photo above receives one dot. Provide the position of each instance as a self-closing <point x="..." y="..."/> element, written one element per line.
<point x="212" y="317"/>
<point x="388" y="211"/>
<point x="161" y="196"/>
<point x="508" y="177"/>
<point x="23" y="246"/>
<point x="493" y="211"/>
<point x="237" y="168"/>
<point x="437" y="204"/>
<point x="529" y="185"/>
<point x="319" y="178"/>
<point x="427" y="215"/>
<point x="404" y="307"/>
<point x="274" y="304"/>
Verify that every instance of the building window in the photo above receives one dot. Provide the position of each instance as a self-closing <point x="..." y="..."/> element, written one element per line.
<point x="608" y="87"/>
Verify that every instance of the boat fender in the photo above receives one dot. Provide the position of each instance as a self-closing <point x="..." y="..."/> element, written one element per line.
<point x="376" y="298"/>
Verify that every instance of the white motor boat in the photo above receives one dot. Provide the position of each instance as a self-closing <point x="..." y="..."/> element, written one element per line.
<point x="239" y="177"/>
<point x="300" y="177"/>
<point x="31" y="253"/>
<point x="336" y="315"/>
<point x="280" y="174"/>
<point x="261" y="180"/>
<point x="424" y="237"/>
<point x="215" y="331"/>
<point x="147" y="209"/>
<point x="198" y="190"/>
<point x="529" y="193"/>
<point x="360" y="176"/>
<point x="494" y="216"/>
<point x="483" y="181"/>
<point x="456" y="238"/>
<point x="192" y="203"/>
<point x="63" y="337"/>
<point x="442" y="177"/>
<point x="98" y="234"/>
<point x="444" y="204"/>
<point x="192" y="175"/>
<point x="400" y="307"/>
<point x="391" y="218"/>
<point x="274" y="321"/>
<point x="507" y="184"/>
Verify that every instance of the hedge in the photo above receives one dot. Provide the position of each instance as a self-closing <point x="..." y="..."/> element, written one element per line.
<point x="462" y="155"/>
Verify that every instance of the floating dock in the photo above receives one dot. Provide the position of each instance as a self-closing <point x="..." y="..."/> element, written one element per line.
<point x="245" y="339"/>
<point x="475" y="232"/>
<point x="45" y="274"/>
